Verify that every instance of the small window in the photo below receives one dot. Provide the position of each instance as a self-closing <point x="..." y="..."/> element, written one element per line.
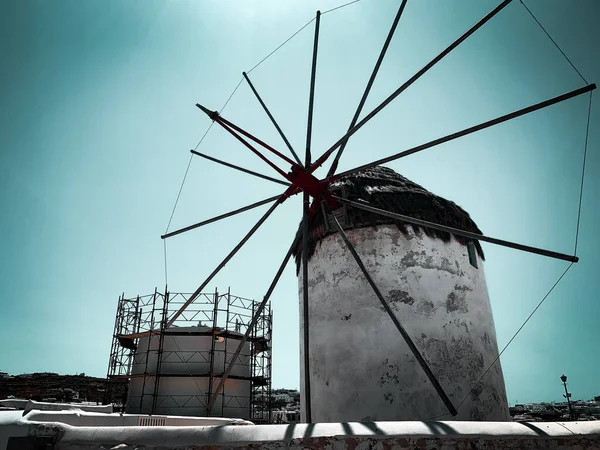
<point x="472" y="253"/>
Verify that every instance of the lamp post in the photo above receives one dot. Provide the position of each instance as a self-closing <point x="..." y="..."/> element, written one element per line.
<point x="567" y="395"/>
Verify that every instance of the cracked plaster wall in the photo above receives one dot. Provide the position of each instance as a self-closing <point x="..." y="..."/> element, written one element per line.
<point x="361" y="368"/>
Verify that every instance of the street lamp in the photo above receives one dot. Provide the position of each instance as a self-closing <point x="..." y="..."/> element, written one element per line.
<point x="567" y="395"/>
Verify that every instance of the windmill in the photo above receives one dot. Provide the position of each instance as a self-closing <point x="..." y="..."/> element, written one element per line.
<point x="318" y="197"/>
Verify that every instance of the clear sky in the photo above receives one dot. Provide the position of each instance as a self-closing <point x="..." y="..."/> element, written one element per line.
<point x="97" y="119"/>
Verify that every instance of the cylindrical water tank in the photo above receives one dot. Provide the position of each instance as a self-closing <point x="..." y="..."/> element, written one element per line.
<point x="360" y="367"/>
<point x="182" y="385"/>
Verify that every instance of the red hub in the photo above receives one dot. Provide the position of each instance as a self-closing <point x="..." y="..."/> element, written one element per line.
<point x="304" y="181"/>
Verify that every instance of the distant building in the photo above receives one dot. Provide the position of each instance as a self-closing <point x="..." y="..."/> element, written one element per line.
<point x="550" y="412"/>
<point x="283" y="398"/>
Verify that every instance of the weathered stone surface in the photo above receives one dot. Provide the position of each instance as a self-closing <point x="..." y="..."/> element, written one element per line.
<point x="332" y="436"/>
<point x="361" y="368"/>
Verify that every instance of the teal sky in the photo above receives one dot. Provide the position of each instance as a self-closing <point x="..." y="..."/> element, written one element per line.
<point x="97" y="119"/>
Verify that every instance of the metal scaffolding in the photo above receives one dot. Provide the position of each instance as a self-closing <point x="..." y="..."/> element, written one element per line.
<point x="138" y="351"/>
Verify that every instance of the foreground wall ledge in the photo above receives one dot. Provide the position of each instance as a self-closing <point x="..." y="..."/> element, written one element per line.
<point x="375" y="435"/>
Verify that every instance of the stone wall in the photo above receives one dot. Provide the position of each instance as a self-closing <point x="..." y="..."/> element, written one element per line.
<point x="332" y="436"/>
<point x="361" y="368"/>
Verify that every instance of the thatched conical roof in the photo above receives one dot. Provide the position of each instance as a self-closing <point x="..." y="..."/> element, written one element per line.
<point x="383" y="188"/>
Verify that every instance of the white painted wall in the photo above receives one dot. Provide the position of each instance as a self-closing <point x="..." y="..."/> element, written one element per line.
<point x="119" y="432"/>
<point x="361" y="368"/>
<point x="187" y="395"/>
<point x="184" y="354"/>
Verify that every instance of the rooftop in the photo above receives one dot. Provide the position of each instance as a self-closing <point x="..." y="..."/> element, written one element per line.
<point x="385" y="189"/>
<point x="87" y="430"/>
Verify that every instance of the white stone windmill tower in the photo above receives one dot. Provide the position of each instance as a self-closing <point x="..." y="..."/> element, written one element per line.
<point x="395" y="315"/>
